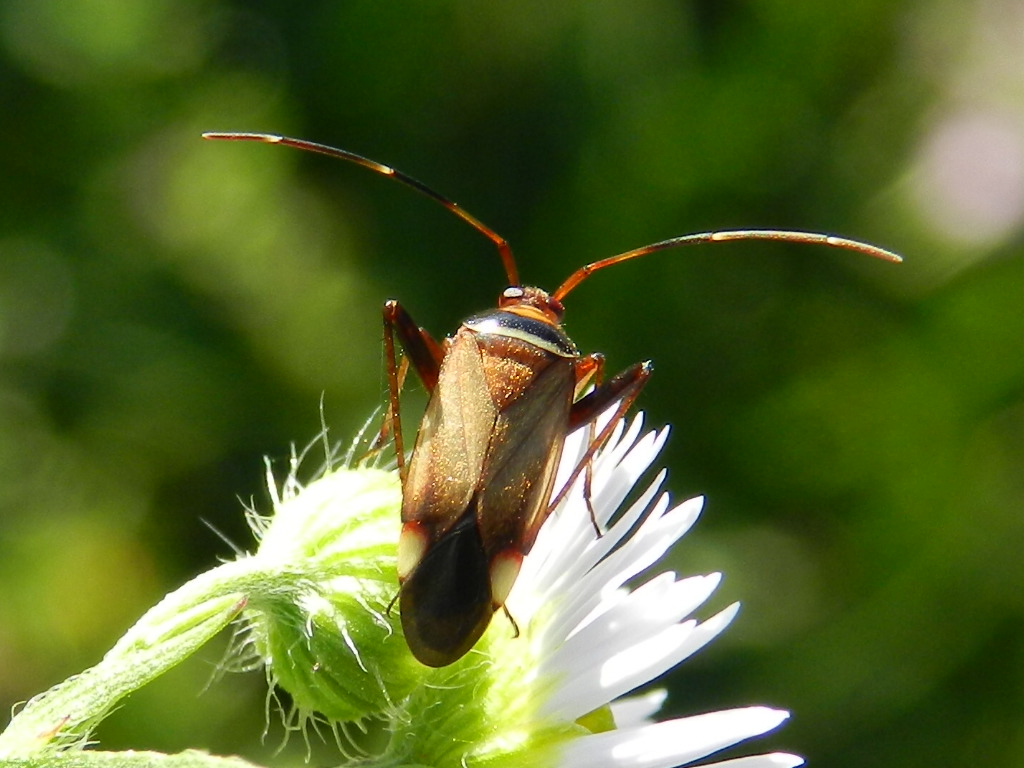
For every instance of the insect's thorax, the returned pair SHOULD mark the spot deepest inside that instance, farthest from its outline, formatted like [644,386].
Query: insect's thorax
[523,323]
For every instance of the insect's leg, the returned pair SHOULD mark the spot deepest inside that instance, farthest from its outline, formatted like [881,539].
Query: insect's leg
[624,387]
[421,351]
[515,624]
[384,434]
[590,372]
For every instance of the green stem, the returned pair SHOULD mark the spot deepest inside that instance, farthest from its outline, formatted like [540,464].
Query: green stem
[167,634]
[90,759]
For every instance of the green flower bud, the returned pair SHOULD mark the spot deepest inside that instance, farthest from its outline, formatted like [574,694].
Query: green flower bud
[324,629]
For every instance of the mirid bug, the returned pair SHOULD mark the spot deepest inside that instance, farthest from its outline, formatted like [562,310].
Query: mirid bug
[504,392]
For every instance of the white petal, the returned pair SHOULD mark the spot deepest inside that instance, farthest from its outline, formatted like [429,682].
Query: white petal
[566,525]
[581,589]
[672,743]
[618,445]
[644,548]
[622,618]
[773,760]
[616,471]
[613,624]
[571,547]
[656,604]
[622,664]
[637,710]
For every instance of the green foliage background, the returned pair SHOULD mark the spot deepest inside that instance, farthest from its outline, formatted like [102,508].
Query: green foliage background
[171,310]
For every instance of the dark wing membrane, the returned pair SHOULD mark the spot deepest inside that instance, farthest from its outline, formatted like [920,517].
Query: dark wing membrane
[522,458]
[446,601]
[447,464]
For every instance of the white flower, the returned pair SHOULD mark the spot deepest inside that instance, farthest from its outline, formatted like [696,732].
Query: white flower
[593,640]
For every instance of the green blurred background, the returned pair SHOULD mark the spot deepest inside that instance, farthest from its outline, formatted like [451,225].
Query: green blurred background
[171,310]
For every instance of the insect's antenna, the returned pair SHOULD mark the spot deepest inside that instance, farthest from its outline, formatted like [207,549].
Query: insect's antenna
[786,236]
[504,251]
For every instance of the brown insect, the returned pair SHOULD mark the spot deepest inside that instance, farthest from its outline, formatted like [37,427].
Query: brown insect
[504,392]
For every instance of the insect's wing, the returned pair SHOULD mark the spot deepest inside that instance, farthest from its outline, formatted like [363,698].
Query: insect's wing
[446,601]
[446,467]
[525,446]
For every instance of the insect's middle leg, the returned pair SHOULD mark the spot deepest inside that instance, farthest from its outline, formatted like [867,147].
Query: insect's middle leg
[589,373]
[624,387]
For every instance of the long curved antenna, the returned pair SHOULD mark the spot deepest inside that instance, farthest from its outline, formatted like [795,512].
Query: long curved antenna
[782,235]
[504,251]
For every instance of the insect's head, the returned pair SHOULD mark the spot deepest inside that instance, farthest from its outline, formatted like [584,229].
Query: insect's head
[524,298]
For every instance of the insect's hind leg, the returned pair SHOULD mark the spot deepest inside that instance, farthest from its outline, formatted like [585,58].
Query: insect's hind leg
[422,352]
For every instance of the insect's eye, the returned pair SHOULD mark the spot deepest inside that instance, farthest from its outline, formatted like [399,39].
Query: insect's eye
[511,295]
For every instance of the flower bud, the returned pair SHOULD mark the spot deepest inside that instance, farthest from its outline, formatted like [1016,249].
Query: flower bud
[324,629]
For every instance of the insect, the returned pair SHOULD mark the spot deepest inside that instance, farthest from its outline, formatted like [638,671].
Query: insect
[503,393]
